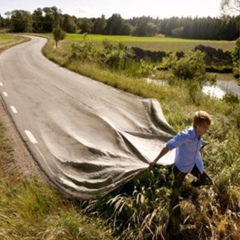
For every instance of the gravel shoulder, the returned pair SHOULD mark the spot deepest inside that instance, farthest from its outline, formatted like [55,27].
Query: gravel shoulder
[23,163]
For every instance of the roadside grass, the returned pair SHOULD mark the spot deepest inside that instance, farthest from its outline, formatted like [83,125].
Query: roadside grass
[9,40]
[208,213]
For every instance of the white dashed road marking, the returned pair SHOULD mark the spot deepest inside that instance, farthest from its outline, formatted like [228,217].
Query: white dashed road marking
[1,84]
[14,109]
[31,137]
[5,94]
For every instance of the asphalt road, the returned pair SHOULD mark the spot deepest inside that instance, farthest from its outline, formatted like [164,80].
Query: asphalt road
[87,137]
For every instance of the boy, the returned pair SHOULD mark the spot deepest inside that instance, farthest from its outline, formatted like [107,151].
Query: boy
[188,158]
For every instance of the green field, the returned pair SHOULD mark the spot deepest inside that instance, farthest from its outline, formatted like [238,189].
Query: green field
[7,40]
[156,43]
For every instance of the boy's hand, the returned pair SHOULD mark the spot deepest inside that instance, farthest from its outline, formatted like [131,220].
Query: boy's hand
[203,145]
[153,163]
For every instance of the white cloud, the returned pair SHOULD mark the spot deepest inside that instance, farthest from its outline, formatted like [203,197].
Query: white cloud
[87,11]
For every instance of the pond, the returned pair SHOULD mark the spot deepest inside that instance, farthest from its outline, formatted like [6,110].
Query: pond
[225,83]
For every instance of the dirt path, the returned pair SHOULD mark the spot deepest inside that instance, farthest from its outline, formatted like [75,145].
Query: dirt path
[23,162]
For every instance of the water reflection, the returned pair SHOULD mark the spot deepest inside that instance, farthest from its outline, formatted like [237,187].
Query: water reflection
[218,90]
[221,88]
[213,91]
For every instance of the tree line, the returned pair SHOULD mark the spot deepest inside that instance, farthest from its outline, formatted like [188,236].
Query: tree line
[44,20]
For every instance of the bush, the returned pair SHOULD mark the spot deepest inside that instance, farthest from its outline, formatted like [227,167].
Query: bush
[83,51]
[236,59]
[189,67]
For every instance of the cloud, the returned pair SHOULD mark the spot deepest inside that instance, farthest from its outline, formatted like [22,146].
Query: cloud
[87,11]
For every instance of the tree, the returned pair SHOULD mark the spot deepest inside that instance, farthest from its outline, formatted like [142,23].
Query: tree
[233,6]
[172,23]
[178,32]
[126,29]
[51,19]
[230,7]
[68,24]
[99,25]
[85,25]
[114,25]
[21,21]
[145,26]
[1,21]
[58,34]
[236,59]
[37,18]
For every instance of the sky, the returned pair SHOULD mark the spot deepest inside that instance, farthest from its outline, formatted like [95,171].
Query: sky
[126,8]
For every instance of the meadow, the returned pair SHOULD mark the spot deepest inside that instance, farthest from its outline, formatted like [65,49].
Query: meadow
[146,213]
[156,43]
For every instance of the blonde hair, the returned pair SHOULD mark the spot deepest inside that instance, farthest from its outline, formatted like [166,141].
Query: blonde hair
[201,117]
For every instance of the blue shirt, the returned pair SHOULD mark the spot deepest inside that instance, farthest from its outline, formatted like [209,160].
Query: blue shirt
[188,150]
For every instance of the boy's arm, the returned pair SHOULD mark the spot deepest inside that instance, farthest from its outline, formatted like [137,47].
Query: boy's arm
[164,151]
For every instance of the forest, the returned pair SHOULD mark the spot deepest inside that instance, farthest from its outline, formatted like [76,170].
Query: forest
[44,20]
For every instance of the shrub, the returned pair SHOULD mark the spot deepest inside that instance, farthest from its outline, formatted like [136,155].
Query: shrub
[115,55]
[236,59]
[83,51]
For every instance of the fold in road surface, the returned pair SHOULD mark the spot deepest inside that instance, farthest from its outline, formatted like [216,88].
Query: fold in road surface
[88,138]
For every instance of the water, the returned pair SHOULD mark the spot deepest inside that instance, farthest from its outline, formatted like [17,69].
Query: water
[213,91]
[221,88]
[225,84]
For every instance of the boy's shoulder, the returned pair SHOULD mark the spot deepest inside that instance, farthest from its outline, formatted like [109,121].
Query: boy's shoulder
[187,131]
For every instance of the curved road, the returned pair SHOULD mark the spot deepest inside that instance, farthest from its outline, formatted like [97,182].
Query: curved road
[88,138]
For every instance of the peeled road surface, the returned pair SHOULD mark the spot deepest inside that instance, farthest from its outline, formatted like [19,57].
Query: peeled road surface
[88,138]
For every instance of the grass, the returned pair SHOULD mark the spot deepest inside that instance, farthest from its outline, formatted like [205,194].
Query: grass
[7,40]
[209,213]
[156,43]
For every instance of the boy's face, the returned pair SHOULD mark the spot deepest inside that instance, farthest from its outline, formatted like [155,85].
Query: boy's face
[201,129]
